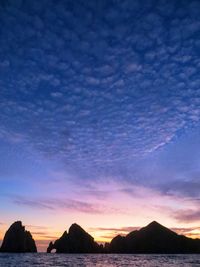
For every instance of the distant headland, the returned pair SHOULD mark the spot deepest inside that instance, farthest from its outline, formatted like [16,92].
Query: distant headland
[153,238]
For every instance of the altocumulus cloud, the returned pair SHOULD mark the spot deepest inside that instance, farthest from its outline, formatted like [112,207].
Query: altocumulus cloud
[101,89]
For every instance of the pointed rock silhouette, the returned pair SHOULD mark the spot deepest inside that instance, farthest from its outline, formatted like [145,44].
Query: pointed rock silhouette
[17,239]
[154,238]
[77,240]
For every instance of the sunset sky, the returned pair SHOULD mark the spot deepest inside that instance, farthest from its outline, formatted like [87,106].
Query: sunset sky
[99,116]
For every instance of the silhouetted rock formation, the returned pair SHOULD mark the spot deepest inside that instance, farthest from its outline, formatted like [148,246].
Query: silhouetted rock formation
[154,238]
[76,241]
[17,239]
[50,247]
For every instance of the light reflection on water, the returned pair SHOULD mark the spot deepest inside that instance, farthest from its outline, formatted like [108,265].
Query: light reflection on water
[100,260]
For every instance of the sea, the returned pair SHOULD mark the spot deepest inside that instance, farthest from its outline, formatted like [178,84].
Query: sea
[100,260]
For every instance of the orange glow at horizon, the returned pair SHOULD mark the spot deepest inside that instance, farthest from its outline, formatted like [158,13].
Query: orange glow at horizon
[42,244]
[100,236]
[119,213]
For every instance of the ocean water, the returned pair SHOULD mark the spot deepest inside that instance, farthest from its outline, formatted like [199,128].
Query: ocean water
[100,260]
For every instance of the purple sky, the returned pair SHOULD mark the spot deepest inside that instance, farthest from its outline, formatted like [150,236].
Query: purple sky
[100,109]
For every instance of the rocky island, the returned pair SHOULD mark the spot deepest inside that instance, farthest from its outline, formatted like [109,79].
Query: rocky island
[154,238]
[17,239]
[76,240]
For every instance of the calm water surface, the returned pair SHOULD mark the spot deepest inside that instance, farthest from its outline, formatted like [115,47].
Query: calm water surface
[100,260]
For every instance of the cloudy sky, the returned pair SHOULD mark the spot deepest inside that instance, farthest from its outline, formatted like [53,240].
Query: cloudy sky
[99,115]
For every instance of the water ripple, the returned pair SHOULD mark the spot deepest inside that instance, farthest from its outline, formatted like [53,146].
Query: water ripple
[99,260]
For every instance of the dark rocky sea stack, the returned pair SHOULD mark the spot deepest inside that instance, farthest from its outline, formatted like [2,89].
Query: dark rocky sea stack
[76,240]
[154,238]
[17,239]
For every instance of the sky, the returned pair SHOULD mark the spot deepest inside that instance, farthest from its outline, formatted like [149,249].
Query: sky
[99,116]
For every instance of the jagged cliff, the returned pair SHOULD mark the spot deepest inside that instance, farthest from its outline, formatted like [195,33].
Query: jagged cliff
[17,239]
[76,240]
[154,238]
